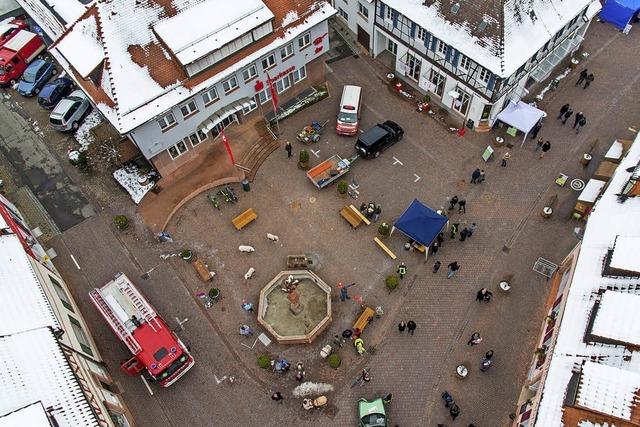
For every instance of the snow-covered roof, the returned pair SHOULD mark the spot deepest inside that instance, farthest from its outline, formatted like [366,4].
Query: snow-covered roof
[143,79]
[23,305]
[82,47]
[54,16]
[34,368]
[626,255]
[617,317]
[33,415]
[609,219]
[591,190]
[608,390]
[209,26]
[515,29]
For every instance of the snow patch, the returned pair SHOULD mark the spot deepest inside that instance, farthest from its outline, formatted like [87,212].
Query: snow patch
[83,135]
[130,179]
[289,18]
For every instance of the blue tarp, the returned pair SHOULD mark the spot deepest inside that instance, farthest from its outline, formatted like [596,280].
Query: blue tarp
[421,223]
[619,12]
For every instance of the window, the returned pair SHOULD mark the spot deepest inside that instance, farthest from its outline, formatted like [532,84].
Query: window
[81,336]
[189,108]
[283,84]
[442,48]
[196,138]
[461,104]
[210,96]
[97,369]
[300,74]
[438,81]
[421,33]
[177,150]
[264,96]
[167,122]
[249,108]
[343,14]
[484,75]
[465,63]
[268,62]
[229,85]
[249,73]
[304,41]
[61,294]
[392,46]
[363,11]
[286,51]
[118,418]
[389,14]
[413,67]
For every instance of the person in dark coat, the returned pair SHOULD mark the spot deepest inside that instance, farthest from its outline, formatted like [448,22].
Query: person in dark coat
[434,247]
[581,123]
[453,202]
[583,75]
[464,234]
[471,229]
[536,129]
[567,114]
[563,110]
[436,267]
[482,175]
[454,411]
[462,206]
[480,294]
[579,116]
[440,238]
[475,339]
[411,326]
[288,148]
[475,175]
[453,267]
[401,326]
[545,147]
[588,80]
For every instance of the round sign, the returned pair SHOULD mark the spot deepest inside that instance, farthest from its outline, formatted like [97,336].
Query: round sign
[577,184]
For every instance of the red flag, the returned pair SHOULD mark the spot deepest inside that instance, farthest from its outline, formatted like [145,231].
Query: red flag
[274,94]
[225,142]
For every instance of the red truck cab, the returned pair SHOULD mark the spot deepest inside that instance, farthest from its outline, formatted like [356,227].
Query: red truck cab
[16,54]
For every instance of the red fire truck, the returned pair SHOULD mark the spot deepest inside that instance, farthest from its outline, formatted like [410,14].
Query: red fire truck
[16,54]
[155,348]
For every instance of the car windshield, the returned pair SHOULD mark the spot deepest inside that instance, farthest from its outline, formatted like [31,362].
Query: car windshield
[374,420]
[29,75]
[347,117]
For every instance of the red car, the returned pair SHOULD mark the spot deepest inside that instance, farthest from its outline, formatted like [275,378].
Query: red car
[10,29]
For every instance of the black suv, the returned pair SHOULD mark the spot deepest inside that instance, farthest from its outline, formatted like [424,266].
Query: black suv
[377,139]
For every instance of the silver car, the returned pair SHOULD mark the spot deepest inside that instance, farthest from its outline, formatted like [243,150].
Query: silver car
[70,111]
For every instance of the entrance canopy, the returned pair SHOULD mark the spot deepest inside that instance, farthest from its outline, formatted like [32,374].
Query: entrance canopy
[521,116]
[421,223]
[619,12]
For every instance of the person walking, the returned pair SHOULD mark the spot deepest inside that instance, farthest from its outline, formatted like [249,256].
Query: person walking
[566,115]
[578,117]
[545,147]
[506,157]
[464,234]
[583,75]
[535,130]
[401,326]
[539,143]
[454,411]
[436,267]
[475,339]
[462,206]
[580,124]
[471,229]
[480,294]
[482,176]
[440,238]
[454,230]
[411,326]
[402,270]
[563,110]
[453,268]
[434,248]
[588,80]
[277,397]
[344,293]
[475,176]
[453,202]
[288,149]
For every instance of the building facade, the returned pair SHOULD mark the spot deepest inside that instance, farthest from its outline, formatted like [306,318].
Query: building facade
[358,17]
[45,339]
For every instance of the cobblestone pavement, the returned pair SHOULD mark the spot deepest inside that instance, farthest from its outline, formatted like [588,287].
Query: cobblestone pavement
[511,235]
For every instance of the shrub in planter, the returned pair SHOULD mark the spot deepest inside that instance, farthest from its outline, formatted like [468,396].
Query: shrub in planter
[334,361]
[214,293]
[343,187]
[384,229]
[121,221]
[264,361]
[186,254]
[303,160]
[392,282]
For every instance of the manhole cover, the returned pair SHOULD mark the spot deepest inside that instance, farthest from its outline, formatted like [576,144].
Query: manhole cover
[312,199]
[577,184]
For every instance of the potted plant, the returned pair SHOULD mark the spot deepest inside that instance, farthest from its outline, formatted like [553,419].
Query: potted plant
[264,361]
[214,294]
[334,361]
[303,161]
[343,187]
[186,254]
[392,282]
[121,221]
[384,230]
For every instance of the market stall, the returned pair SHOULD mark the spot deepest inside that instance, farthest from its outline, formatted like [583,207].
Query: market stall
[521,116]
[421,224]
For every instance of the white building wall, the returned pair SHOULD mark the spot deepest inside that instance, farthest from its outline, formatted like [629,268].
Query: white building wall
[355,18]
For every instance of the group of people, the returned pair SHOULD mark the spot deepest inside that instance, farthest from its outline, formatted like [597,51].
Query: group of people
[566,111]
[371,211]
[410,326]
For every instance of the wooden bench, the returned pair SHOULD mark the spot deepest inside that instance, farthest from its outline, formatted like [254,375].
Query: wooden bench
[385,248]
[364,319]
[351,217]
[364,218]
[244,218]
[203,271]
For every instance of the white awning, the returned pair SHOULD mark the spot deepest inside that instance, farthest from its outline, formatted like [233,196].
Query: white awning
[521,116]
[217,117]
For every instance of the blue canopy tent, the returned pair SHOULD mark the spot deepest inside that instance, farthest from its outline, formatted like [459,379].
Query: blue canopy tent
[619,12]
[420,223]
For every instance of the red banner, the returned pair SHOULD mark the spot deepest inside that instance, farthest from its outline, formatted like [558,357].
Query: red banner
[274,94]
[225,142]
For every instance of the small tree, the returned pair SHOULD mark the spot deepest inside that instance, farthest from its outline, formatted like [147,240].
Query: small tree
[121,221]
[343,187]
[264,361]
[334,361]
[304,156]
[186,254]
[392,282]
[384,229]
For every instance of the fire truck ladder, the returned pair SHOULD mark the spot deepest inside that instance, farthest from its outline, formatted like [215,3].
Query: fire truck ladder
[115,323]
[142,305]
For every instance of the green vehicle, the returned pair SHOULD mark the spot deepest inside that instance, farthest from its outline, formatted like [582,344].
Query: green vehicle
[372,414]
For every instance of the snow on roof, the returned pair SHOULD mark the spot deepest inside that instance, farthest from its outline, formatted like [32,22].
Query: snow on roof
[54,16]
[210,25]
[608,390]
[516,29]
[626,255]
[617,317]
[34,367]
[144,79]
[32,415]
[23,305]
[615,151]
[591,190]
[608,219]
[82,47]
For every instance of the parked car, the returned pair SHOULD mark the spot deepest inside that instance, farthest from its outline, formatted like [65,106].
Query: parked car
[378,138]
[54,92]
[10,29]
[70,111]
[35,76]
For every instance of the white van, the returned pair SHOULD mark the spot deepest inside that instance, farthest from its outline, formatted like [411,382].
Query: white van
[349,115]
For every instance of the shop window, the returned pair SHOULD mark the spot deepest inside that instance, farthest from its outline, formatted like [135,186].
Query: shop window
[300,74]
[438,81]
[461,105]
[283,84]
[177,150]
[264,96]
[252,106]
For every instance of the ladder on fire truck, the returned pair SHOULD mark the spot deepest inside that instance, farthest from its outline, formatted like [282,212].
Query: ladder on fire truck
[139,302]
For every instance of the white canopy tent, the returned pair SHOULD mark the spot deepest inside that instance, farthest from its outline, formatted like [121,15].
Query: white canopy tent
[521,116]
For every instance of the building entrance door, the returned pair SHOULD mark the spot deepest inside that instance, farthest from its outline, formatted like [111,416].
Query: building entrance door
[363,38]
